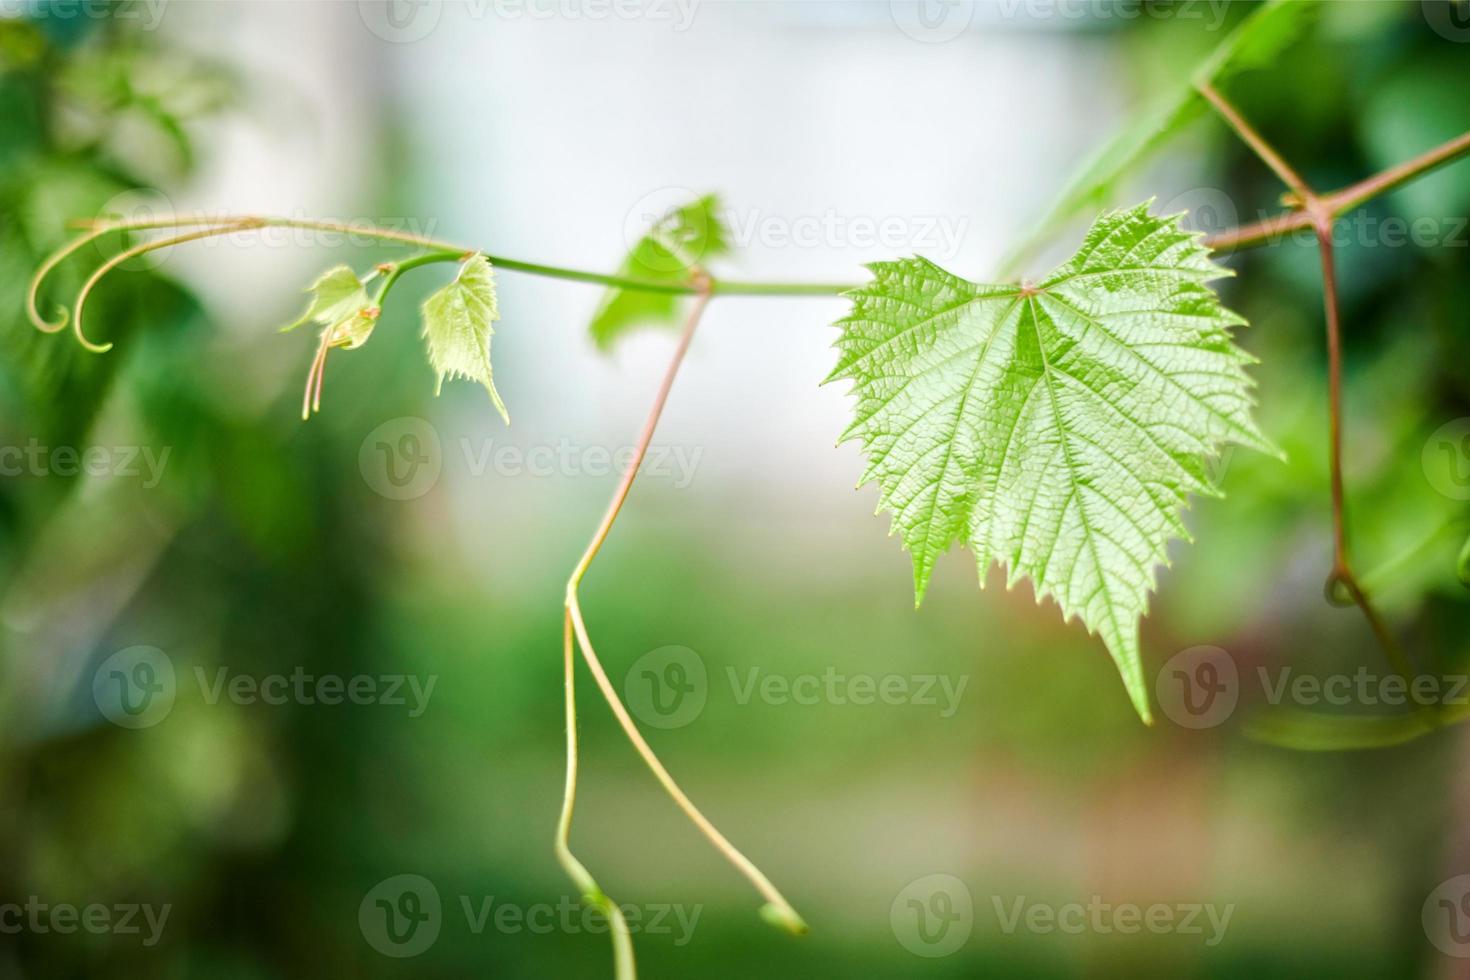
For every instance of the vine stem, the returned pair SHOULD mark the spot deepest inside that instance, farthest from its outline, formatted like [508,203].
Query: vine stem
[623,964]
[226,224]
[1246,236]
[1319,214]
[1253,139]
[1339,202]
[777,910]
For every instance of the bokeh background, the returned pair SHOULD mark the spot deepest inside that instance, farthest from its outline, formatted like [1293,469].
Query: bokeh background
[836,133]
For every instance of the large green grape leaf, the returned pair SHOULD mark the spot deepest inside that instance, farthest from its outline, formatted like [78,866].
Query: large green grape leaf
[1255,43]
[679,241]
[1055,427]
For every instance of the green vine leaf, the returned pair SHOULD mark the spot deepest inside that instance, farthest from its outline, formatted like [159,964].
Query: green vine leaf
[457,326]
[337,298]
[340,305]
[680,240]
[1057,427]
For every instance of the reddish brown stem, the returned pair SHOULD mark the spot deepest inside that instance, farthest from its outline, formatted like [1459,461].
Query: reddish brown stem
[777,909]
[1256,142]
[1318,213]
[1334,396]
[1341,201]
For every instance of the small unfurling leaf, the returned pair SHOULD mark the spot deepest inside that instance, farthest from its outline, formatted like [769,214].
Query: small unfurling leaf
[347,317]
[457,326]
[336,295]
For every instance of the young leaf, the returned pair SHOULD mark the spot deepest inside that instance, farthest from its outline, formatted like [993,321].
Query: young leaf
[1057,427]
[1254,44]
[336,295]
[680,240]
[457,327]
[347,317]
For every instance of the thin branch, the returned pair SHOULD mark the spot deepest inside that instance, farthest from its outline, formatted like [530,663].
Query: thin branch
[777,910]
[623,963]
[680,287]
[1319,215]
[1261,232]
[1334,397]
[1341,201]
[1400,174]
[1256,142]
[96,230]
[143,248]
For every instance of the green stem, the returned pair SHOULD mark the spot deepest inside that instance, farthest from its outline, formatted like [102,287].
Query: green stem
[442,250]
[677,287]
[396,269]
[623,963]
[777,910]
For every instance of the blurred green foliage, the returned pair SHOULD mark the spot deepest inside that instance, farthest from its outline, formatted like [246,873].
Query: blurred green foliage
[264,551]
